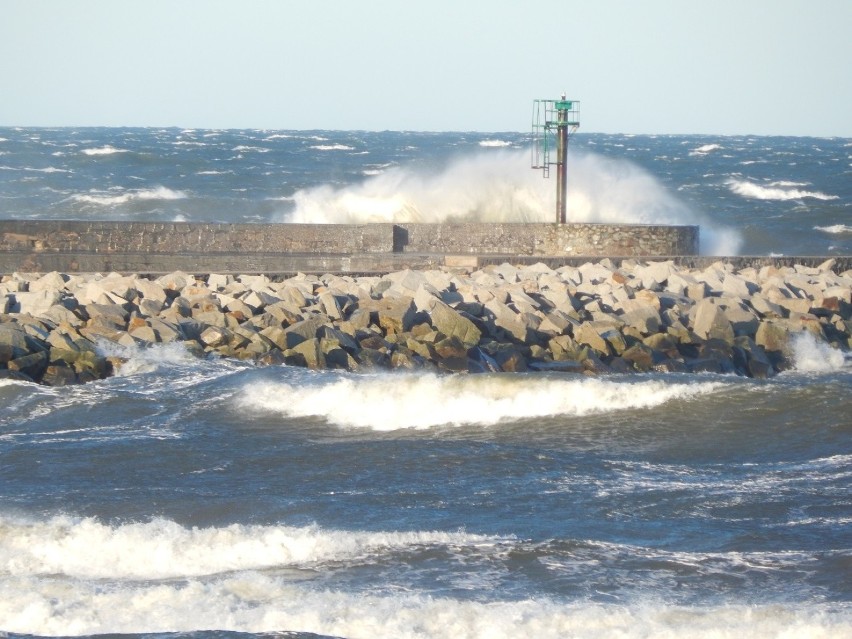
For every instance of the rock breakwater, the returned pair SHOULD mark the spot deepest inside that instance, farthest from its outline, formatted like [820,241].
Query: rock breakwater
[598,318]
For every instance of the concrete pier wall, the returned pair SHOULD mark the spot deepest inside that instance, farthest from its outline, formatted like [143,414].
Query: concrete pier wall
[154,247]
[592,240]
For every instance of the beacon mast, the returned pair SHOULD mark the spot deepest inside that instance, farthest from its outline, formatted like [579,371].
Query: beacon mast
[554,121]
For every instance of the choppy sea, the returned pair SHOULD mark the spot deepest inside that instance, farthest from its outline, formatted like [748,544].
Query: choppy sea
[210,498]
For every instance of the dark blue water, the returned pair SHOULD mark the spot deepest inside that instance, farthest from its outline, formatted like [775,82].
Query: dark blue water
[750,195]
[195,498]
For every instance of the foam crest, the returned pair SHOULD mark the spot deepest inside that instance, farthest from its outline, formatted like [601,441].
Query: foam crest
[333,147]
[835,229]
[499,186]
[705,149]
[263,603]
[157,193]
[103,150]
[815,356]
[163,549]
[420,401]
[775,191]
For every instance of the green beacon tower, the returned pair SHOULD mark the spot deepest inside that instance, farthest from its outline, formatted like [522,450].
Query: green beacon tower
[553,123]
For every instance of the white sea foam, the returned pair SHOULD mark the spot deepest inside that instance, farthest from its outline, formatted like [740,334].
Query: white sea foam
[815,356]
[103,150]
[259,602]
[495,143]
[257,149]
[705,149]
[419,401]
[163,549]
[499,186]
[835,229]
[104,199]
[775,191]
[333,147]
[29,169]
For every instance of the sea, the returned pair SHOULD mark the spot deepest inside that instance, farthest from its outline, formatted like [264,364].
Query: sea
[192,498]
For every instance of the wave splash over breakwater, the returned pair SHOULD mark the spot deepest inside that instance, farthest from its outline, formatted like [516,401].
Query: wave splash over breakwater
[500,187]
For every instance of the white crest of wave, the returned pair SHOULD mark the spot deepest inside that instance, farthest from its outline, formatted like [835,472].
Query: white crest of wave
[103,150]
[156,193]
[420,401]
[163,549]
[705,149]
[499,186]
[835,229]
[263,603]
[333,147]
[775,191]
[815,356]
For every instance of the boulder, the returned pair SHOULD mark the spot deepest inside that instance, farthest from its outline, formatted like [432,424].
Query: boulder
[15,338]
[304,330]
[53,281]
[451,323]
[774,335]
[710,321]
[591,334]
[59,375]
[645,319]
[32,364]
[395,315]
[35,303]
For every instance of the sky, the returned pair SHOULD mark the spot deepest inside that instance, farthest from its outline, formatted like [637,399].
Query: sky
[720,67]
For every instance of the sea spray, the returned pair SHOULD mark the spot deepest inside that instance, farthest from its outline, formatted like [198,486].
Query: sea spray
[815,356]
[499,186]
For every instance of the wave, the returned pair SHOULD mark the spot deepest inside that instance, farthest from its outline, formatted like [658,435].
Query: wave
[157,193]
[333,147]
[495,143]
[163,549]
[705,149]
[835,229]
[29,169]
[68,576]
[775,191]
[103,150]
[420,401]
[263,603]
[499,186]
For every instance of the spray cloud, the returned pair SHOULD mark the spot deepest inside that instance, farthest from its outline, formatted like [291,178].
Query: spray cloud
[499,186]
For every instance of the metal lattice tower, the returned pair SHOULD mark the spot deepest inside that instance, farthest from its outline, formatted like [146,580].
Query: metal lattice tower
[554,121]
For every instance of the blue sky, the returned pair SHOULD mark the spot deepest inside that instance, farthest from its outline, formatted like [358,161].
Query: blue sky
[773,67]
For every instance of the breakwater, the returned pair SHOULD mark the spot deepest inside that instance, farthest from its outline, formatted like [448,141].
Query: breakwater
[598,317]
[152,247]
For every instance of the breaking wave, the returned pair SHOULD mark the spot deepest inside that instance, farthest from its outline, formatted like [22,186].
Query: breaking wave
[103,150]
[163,549]
[421,401]
[835,229]
[776,191]
[102,199]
